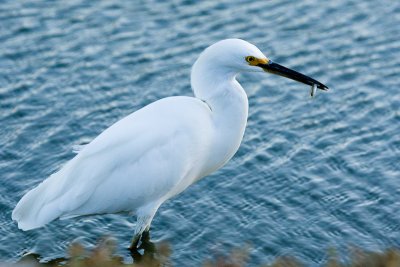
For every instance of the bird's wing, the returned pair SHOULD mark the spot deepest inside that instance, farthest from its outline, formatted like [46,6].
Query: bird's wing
[157,135]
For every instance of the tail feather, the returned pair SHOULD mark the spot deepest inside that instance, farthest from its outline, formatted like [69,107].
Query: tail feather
[60,195]
[40,205]
[27,211]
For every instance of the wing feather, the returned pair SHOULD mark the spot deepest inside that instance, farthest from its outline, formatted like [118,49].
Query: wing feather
[120,168]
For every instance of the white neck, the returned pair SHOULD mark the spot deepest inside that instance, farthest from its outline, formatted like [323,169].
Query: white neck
[218,87]
[212,83]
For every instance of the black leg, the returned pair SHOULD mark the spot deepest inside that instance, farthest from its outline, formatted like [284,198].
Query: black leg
[134,243]
[145,236]
[142,243]
[146,244]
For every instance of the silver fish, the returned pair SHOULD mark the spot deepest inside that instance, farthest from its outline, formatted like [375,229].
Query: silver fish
[313,90]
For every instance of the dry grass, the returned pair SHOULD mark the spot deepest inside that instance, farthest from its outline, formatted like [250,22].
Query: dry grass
[103,256]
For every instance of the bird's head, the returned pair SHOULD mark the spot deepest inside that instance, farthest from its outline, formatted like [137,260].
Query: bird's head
[236,55]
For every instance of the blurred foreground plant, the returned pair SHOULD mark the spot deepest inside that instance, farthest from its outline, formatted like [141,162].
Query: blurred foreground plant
[103,255]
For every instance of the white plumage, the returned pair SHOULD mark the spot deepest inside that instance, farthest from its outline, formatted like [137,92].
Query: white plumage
[120,170]
[156,152]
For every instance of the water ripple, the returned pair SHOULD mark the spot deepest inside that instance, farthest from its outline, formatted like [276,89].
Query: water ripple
[311,173]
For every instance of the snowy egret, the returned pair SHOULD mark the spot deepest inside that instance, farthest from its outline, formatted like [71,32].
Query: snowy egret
[158,151]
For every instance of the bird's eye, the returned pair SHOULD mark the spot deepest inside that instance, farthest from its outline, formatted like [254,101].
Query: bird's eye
[250,59]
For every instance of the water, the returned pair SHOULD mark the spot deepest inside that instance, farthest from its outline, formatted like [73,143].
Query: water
[311,174]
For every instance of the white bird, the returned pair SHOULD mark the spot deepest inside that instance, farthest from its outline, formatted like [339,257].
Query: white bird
[158,151]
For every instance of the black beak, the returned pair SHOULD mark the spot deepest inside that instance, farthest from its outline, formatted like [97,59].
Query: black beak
[291,74]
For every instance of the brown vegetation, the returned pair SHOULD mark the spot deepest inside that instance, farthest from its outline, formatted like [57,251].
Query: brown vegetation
[103,256]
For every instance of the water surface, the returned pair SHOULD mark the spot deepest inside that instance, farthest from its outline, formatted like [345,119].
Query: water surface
[311,174]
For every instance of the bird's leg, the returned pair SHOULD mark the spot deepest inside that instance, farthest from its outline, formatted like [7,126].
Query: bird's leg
[135,243]
[145,235]
[144,215]
[148,247]
[142,227]
[141,239]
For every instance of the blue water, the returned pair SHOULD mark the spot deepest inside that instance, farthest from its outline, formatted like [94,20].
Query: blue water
[311,174]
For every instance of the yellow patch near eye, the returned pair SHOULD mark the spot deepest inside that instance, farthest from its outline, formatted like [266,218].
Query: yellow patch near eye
[253,61]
